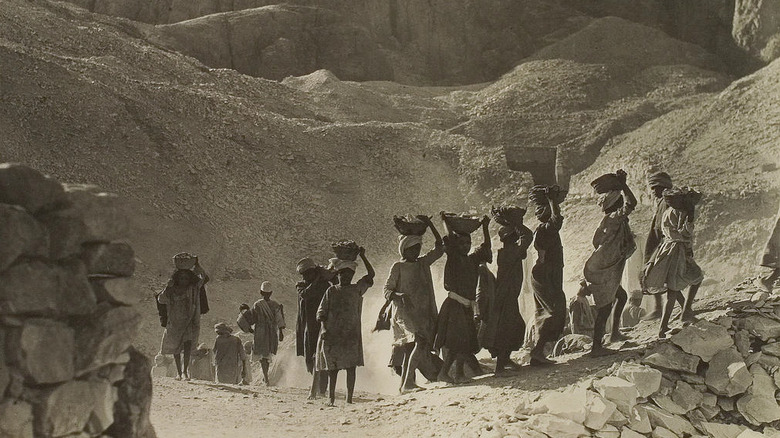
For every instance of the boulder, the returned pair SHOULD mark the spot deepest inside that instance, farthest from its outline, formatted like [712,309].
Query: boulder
[718,430]
[771,432]
[29,189]
[608,431]
[756,28]
[667,404]
[104,336]
[44,350]
[759,406]
[104,214]
[570,403]
[37,288]
[66,230]
[114,259]
[21,235]
[751,434]
[619,391]
[628,433]
[686,396]
[661,432]
[131,412]
[703,339]
[599,411]
[670,357]
[726,404]
[639,421]
[618,419]
[728,374]
[772,349]
[117,291]
[16,419]
[556,426]
[659,418]
[646,379]
[75,406]
[761,326]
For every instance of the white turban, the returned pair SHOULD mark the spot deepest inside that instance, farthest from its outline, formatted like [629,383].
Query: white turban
[405,242]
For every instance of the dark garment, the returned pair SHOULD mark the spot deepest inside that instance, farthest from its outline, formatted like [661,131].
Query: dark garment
[771,257]
[656,234]
[486,294]
[455,327]
[307,329]
[229,359]
[547,280]
[340,345]
[504,326]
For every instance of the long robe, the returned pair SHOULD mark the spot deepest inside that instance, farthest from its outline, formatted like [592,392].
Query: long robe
[340,344]
[672,265]
[268,318]
[613,244]
[183,307]
[771,256]
[307,328]
[547,280]
[656,235]
[229,357]
[504,326]
[417,318]
[486,294]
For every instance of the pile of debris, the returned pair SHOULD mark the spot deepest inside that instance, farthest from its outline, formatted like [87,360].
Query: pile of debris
[714,379]
[67,366]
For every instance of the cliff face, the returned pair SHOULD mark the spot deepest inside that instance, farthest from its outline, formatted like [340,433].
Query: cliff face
[757,28]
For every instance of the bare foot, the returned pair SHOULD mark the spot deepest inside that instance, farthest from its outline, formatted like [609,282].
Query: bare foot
[652,315]
[312,397]
[601,351]
[541,361]
[331,404]
[349,401]
[444,377]
[662,333]
[463,379]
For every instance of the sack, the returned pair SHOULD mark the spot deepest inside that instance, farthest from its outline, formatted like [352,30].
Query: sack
[384,317]
[162,310]
[409,226]
[204,301]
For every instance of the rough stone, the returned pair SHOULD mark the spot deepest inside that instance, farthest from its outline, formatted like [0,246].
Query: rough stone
[742,341]
[66,230]
[768,361]
[727,404]
[772,349]
[120,290]
[659,418]
[115,259]
[36,288]
[599,410]
[74,406]
[608,431]
[43,350]
[687,396]
[703,339]
[728,374]
[667,404]
[21,235]
[761,326]
[646,379]
[104,336]
[751,434]
[670,357]
[618,419]
[718,430]
[756,28]
[16,419]
[131,412]
[619,391]
[759,406]
[628,433]
[661,432]
[104,213]
[29,189]
[771,432]
[696,417]
[558,427]
[639,421]
[570,403]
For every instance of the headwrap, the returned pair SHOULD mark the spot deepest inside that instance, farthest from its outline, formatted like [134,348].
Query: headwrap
[304,265]
[540,209]
[659,179]
[266,287]
[504,232]
[405,242]
[338,264]
[222,329]
[607,200]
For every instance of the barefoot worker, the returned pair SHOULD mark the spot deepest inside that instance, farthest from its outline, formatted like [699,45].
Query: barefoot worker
[230,361]
[340,345]
[771,258]
[581,315]
[182,301]
[613,244]
[657,182]
[315,281]
[672,267]
[410,289]
[547,273]
[456,331]
[266,319]
[505,328]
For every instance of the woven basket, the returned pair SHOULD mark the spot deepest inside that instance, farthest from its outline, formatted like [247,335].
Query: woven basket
[185,260]
[508,216]
[606,183]
[462,224]
[409,226]
[346,250]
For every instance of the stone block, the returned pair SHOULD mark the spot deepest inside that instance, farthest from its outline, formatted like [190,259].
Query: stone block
[21,235]
[728,374]
[570,403]
[718,430]
[114,259]
[646,379]
[661,432]
[772,349]
[666,403]
[599,410]
[759,406]
[556,426]
[104,336]
[66,230]
[670,357]
[659,418]
[608,431]
[686,396]
[619,391]
[618,419]
[16,419]
[703,339]
[628,433]
[29,189]
[727,404]
[639,421]
[75,406]
[761,326]
[118,291]
[37,288]
[105,215]
[44,350]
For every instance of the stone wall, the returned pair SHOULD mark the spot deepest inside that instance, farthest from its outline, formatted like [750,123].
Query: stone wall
[67,323]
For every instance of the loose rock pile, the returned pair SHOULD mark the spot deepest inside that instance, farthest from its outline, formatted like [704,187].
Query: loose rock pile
[715,379]
[67,366]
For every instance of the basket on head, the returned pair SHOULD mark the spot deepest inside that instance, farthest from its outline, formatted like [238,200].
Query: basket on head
[185,260]
[409,225]
[607,183]
[346,250]
[508,216]
[683,198]
[462,224]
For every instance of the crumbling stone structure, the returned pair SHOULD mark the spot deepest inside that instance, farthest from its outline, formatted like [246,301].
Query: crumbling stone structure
[67,365]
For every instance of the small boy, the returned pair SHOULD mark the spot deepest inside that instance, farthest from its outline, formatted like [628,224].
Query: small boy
[581,313]
[634,311]
[230,360]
